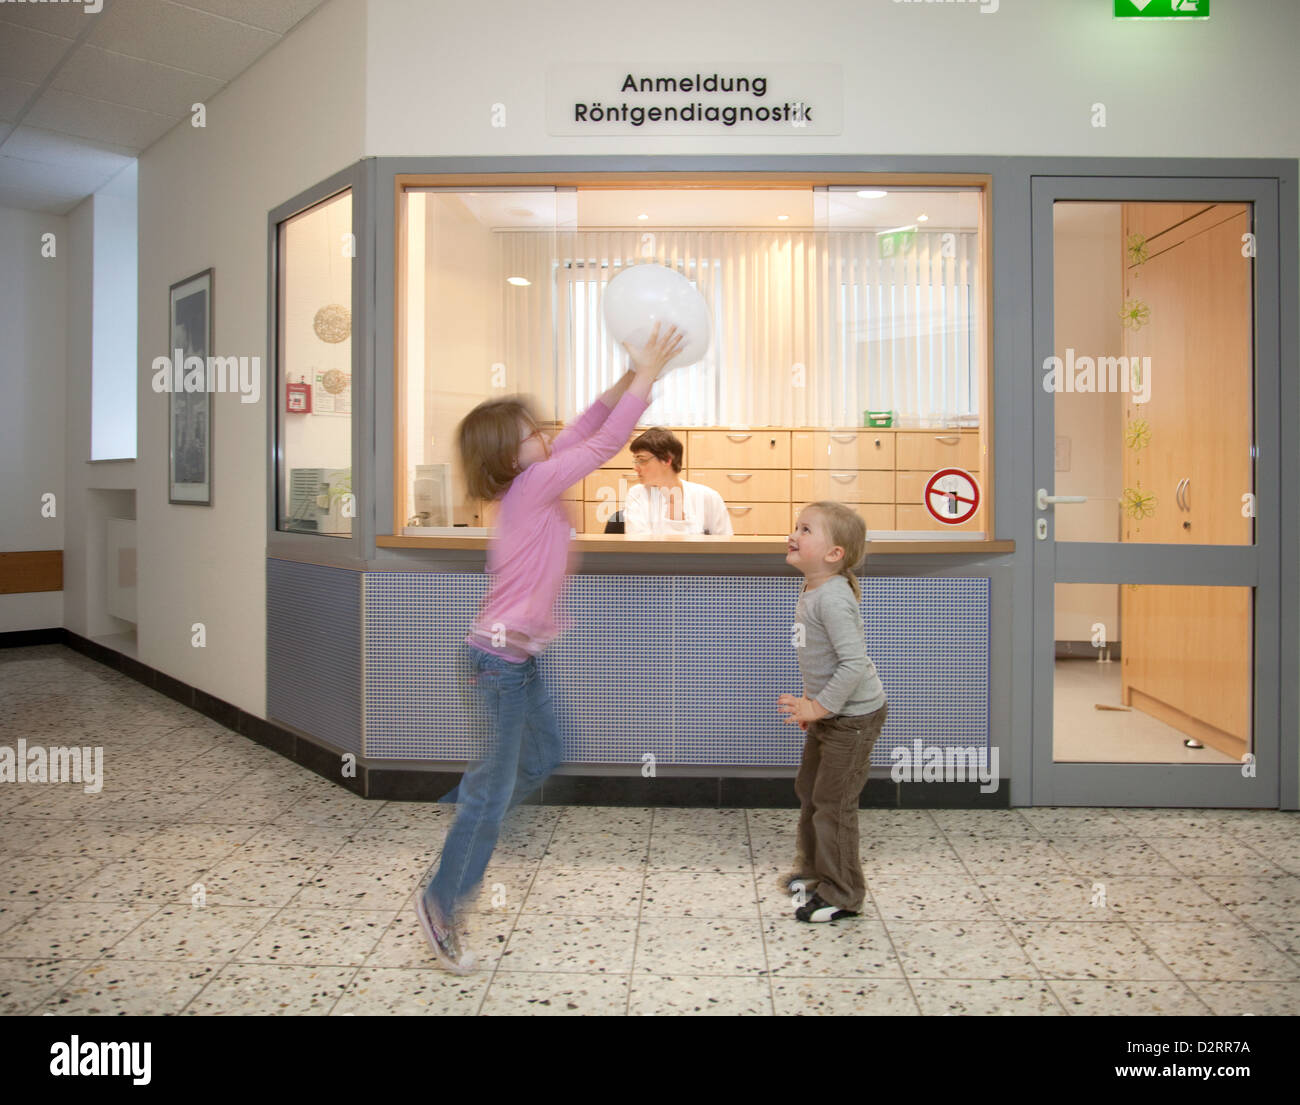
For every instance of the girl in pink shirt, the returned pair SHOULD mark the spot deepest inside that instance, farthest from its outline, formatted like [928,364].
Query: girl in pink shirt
[505,456]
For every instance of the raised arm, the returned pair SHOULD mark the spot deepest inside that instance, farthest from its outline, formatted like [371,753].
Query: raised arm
[549,478]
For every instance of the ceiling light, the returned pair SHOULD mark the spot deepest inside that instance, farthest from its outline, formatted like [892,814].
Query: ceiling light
[518,281]
[872,195]
[643,216]
[922,218]
[782,218]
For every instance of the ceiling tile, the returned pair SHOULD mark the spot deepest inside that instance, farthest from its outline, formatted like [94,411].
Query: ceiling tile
[13,94]
[171,34]
[68,186]
[36,145]
[276,16]
[64,20]
[117,79]
[113,124]
[27,55]
[37,200]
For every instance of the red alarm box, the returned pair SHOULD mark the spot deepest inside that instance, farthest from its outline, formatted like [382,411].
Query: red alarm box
[299,398]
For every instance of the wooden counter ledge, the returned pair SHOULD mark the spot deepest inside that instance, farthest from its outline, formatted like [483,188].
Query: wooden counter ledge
[734,546]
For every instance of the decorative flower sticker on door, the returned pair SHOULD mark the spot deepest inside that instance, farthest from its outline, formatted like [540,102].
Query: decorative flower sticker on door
[1135,314]
[1136,247]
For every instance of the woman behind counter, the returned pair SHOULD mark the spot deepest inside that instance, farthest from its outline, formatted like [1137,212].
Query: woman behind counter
[661,501]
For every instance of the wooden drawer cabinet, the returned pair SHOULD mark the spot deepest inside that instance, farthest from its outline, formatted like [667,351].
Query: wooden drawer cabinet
[737,485]
[878,516]
[842,449]
[608,483]
[759,518]
[930,450]
[738,450]
[908,517]
[849,486]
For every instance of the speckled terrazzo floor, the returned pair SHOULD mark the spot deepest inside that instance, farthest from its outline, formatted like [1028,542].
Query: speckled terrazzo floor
[307,894]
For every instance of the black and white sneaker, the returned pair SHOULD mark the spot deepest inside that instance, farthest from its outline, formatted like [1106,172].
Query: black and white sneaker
[817,910]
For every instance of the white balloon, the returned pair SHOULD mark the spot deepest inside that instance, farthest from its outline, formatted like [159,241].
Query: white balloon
[641,295]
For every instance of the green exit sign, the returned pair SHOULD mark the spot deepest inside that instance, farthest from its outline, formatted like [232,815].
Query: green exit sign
[1162,9]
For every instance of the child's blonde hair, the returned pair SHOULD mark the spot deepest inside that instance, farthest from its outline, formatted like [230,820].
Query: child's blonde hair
[488,441]
[845,528]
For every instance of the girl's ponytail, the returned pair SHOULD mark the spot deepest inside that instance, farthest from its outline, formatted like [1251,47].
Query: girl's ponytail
[852,576]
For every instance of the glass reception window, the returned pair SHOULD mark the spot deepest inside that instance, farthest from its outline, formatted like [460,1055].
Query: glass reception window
[847,358]
[477,302]
[314,367]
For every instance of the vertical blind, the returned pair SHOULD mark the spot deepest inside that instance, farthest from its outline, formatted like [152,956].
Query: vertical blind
[810,328]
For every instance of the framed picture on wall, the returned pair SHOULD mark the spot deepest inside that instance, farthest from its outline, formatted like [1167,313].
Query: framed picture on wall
[189,413]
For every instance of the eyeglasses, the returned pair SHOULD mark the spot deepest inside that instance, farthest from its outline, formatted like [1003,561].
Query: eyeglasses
[640,459]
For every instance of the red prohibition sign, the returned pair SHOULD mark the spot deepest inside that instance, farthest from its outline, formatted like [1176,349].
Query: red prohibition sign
[965,505]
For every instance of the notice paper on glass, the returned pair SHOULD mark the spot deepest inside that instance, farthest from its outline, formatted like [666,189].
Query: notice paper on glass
[331,392]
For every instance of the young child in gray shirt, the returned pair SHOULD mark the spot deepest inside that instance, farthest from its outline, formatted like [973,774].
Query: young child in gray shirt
[842,710]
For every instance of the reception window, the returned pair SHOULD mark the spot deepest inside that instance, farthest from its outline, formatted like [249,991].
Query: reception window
[848,356]
[314,386]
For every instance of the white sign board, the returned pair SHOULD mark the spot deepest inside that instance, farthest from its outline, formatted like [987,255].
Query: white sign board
[694,98]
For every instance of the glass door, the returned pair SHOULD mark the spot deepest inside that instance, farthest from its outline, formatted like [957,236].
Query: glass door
[1155,458]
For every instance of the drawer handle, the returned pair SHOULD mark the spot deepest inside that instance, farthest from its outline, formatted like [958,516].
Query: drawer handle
[948,439]
[844,477]
[739,437]
[739,477]
[845,438]
[740,509]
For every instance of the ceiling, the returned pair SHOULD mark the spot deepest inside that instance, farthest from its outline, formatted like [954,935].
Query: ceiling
[725,207]
[82,95]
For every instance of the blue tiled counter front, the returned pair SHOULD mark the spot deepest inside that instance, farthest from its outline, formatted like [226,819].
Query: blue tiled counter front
[686,667]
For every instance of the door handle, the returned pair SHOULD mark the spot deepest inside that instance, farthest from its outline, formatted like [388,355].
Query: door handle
[739,477]
[845,439]
[1178,493]
[1044,498]
[739,437]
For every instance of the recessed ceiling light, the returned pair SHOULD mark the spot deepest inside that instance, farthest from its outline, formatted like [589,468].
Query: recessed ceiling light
[518,281]
[922,218]
[643,216]
[872,195]
[782,218]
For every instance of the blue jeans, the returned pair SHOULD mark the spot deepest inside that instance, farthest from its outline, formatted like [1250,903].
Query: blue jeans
[524,747]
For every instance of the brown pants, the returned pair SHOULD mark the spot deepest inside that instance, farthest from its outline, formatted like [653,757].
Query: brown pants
[836,760]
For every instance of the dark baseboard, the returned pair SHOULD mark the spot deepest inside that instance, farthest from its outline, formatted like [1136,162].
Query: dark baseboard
[385,783]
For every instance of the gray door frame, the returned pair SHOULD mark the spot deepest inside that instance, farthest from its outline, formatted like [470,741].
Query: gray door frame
[1257,566]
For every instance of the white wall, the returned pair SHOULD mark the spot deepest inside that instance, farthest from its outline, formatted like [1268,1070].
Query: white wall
[924,78]
[33,296]
[294,118]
